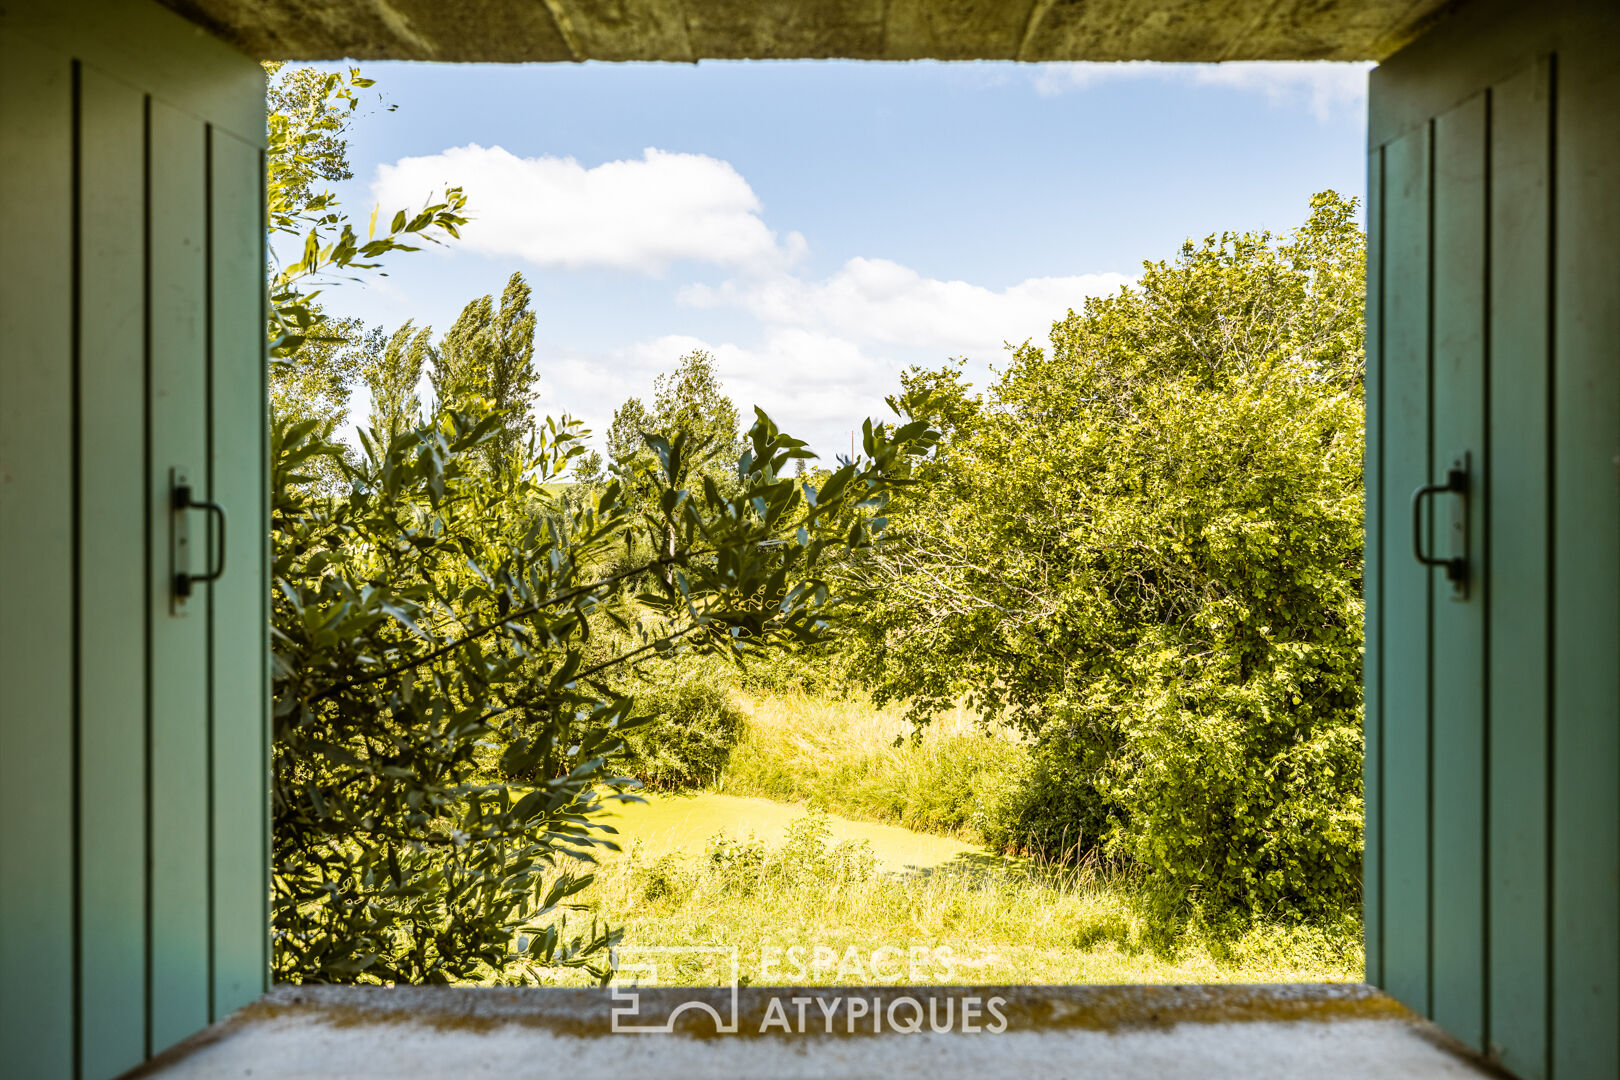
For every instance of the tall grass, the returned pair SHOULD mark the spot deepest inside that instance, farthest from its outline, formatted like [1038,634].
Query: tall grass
[991,924]
[856,761]
[998,920]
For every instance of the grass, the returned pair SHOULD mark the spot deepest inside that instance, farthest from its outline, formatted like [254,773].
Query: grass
[683,824]
[867,898]
[811,912]
[846,757]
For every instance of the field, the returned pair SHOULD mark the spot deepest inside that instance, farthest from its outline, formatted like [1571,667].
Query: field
[812,897]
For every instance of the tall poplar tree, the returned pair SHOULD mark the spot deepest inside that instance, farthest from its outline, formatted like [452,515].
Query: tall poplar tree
[392,373]
[489,354]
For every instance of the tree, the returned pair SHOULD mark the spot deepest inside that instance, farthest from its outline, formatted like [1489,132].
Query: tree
[489,354]
[690,403]
[625,434]
[304,144]
[391,373]
[318,386]
[692,400]
[1144,545]
[316,109]
[436,610]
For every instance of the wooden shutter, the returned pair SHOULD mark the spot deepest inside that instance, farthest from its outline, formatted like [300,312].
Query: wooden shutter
[133,812]
[1493,721]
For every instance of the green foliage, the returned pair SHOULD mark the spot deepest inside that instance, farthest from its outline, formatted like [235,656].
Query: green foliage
[689,399]
[318,386]
[391,374]
[489,354]
[1144,546]
[316,108]
[436,609]
[667,878]
[309,114]
[692,723]
[806,859]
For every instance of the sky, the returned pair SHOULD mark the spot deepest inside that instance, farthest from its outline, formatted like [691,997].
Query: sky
[820,226]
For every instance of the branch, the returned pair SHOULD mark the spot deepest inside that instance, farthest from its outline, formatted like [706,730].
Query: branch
[489,628]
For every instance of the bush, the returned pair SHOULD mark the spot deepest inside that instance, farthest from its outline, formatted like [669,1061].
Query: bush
[1142,545]
[692,725]
[438,613]
[817,671]
[667,878]
[1045,807]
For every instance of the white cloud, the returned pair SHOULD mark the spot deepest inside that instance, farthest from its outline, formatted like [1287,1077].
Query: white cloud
[639,215]
[1326,88]
[828,352]
[821,354]
[877,301]
[816,386]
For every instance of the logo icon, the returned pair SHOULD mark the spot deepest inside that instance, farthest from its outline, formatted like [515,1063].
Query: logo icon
[627,1016]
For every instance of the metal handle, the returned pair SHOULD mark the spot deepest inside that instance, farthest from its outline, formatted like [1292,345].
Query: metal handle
[181,501]
[1456,567]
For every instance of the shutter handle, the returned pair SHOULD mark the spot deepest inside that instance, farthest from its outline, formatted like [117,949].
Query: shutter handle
[182,500]
[1456,566]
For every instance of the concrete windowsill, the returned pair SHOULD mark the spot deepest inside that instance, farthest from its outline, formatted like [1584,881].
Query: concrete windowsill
[1243,1032]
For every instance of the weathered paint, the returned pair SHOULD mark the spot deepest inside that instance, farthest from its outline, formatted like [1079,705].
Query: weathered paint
[133,874]
[1493,854]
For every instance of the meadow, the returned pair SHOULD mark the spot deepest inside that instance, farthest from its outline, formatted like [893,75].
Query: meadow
[836,850]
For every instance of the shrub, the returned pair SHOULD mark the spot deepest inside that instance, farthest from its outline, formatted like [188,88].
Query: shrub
[692,724]
[438,609]
[667,878]
[1142,545]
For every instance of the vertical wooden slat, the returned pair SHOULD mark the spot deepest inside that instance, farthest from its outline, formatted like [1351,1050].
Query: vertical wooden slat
[105,872]
[1458,650]
[112,622]
[1404,464]
[237,613]
[177,405]
[1586,555]
[36,560]
[1372,590]
[1516,526]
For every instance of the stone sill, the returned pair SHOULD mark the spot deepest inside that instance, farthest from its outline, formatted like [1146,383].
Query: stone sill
[1243,1032]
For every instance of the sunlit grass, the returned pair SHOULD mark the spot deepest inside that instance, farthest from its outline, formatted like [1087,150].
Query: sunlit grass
[806,913]
[828,925]
[849,758]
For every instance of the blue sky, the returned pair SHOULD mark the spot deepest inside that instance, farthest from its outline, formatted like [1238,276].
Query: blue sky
[819,226]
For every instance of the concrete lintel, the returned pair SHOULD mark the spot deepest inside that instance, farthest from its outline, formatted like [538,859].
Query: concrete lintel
[689,30]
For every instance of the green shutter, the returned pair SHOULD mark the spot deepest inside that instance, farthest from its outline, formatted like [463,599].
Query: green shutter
[133,866]
[112,723]
[1493,846]
[1518,525]
[37,532]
